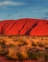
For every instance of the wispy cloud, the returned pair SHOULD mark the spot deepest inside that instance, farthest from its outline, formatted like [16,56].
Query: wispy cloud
[11,3]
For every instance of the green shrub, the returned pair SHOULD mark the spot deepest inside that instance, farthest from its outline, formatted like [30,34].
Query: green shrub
[20,57]
[31,55]
[46,57]
[39,55]
[3,52]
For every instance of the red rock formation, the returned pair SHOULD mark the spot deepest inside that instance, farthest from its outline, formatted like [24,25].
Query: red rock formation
[35,27]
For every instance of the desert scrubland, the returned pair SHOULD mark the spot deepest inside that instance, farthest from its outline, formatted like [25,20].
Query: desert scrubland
[16,47]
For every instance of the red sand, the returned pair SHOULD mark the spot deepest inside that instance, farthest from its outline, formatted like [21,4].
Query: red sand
[35,27]
[3,59]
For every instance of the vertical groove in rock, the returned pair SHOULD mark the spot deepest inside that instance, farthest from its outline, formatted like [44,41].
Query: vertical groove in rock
[33,26]
[11,27]
[22,27]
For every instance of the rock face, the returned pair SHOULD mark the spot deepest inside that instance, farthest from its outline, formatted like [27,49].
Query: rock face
[35,27]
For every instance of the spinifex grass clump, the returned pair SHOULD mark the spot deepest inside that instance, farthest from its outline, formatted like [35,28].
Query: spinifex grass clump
[40,44]
[2,47]
[33,44]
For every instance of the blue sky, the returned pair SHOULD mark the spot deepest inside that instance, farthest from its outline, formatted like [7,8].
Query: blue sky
[16,9]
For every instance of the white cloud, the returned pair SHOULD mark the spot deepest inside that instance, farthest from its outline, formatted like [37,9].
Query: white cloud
[11,3]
